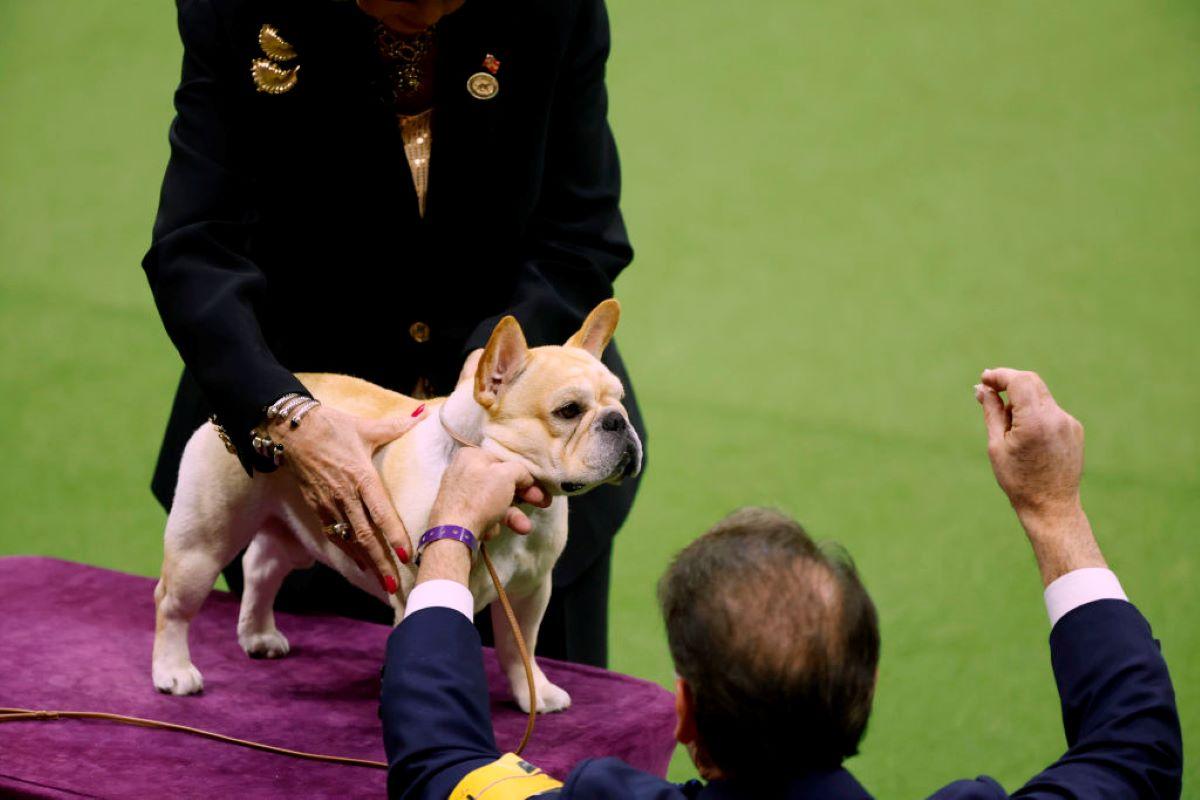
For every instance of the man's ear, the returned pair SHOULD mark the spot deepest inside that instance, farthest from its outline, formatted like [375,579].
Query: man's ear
[501,362]
[598,328]
[685,713]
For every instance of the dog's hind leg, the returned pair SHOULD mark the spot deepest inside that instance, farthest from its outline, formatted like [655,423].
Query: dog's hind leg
[192,559]
[210,521]
[273,553]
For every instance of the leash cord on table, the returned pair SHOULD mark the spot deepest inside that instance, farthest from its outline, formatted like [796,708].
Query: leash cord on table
[20,714]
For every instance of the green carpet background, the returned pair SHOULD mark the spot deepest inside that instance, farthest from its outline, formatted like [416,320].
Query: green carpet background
[842,212]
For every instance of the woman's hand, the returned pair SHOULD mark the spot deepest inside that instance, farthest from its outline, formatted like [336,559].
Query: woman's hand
[330,455]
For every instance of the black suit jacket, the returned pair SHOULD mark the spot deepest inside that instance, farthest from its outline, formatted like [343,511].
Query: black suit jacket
[288,238]
[1118,705]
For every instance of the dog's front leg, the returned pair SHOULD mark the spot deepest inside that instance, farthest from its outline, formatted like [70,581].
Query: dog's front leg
[529,611]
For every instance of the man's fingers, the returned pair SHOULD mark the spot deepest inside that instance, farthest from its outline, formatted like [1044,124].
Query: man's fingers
[1023,387]
[995,418]
[384,515]
[535,495]
[517,521]
[522,480]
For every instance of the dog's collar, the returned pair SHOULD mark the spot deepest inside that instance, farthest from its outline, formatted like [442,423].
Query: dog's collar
[451,432]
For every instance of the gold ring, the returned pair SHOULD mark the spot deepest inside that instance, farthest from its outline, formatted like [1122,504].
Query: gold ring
[341,530]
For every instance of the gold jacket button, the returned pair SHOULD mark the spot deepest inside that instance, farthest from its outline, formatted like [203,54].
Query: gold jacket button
[419,331]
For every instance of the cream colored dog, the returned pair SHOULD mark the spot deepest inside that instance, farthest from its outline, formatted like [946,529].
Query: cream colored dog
[555,410]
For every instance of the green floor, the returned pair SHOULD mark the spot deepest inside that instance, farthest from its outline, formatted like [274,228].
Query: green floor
[842,212]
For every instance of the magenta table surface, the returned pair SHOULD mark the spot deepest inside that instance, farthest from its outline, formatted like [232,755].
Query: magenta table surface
[74,637]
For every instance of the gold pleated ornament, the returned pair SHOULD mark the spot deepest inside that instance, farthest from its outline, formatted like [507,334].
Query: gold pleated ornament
[270,76]
[273,45]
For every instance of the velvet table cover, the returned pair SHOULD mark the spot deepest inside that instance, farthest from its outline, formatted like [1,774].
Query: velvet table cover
[74,637]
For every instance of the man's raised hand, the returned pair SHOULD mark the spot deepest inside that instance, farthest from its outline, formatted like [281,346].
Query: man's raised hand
[1036,450]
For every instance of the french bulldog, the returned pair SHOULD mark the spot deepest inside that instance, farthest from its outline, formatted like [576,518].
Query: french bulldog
[556,410]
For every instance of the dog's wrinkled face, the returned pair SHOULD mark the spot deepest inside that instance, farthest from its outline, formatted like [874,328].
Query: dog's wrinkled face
[558,409]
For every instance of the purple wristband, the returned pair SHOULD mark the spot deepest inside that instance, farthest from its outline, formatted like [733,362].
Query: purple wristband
[455,532]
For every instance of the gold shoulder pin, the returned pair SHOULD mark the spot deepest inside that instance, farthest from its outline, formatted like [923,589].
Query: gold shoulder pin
[273,45]
[270,76]
[483,85]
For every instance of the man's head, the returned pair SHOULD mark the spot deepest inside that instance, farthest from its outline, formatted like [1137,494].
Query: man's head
[776,644]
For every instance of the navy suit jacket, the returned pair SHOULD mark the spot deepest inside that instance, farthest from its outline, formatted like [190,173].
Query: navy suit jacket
[1118,707]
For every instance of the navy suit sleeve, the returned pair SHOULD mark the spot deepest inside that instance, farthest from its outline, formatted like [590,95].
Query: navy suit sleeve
[437,726]
[1118,708]
[613,779]
[205,286]
[576,243]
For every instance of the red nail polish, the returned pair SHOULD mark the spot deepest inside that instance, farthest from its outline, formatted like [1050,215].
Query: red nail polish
[420,408]
[389,583]
[402,554]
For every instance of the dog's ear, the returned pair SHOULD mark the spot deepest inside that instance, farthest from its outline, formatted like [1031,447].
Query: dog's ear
[501,362]
[598,328]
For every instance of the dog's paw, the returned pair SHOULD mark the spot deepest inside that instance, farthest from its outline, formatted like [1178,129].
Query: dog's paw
[550,697]
[178,680]
[553,699]
[268,644]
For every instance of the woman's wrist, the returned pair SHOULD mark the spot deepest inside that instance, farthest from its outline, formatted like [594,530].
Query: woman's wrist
[288,412]
[279,419]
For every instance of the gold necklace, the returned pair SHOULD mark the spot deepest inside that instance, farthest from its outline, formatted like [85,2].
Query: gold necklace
[403,56]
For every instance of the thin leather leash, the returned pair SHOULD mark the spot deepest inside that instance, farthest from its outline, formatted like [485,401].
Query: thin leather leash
[25,714]
[18,714]
[508,611]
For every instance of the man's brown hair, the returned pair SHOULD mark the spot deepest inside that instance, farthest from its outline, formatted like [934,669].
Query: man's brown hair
[779,642]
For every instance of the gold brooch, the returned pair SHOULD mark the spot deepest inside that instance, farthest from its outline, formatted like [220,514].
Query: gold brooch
[269,75]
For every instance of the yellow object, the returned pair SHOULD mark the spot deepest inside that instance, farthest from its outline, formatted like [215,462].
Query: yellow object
[507,778]
[270,78]
[273,45]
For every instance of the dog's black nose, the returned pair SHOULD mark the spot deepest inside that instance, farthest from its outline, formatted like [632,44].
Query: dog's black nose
[613,421]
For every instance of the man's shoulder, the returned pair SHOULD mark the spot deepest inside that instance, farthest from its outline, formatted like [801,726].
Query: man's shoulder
[981,788]
[613,779]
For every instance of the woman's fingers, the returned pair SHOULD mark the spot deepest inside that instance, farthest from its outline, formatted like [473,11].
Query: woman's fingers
[330,515]
[368,544]
[378,432]
[384,515]
[350,548]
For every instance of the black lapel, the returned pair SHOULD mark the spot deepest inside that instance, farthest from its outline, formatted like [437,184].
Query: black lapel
[464,126]
[341,75]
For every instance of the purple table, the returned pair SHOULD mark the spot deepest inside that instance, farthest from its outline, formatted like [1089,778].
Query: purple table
[74,637]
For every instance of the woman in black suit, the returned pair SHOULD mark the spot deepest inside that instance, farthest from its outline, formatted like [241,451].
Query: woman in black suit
[366,189]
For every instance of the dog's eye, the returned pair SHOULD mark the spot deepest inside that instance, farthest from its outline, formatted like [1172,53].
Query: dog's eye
[569,411]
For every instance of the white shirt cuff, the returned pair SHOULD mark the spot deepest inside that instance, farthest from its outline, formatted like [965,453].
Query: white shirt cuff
[441,593]
[1078,587]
